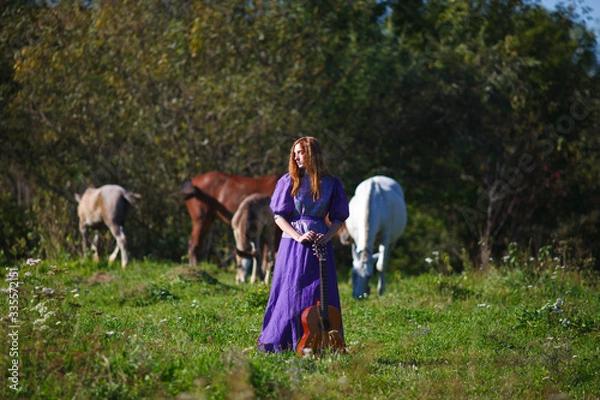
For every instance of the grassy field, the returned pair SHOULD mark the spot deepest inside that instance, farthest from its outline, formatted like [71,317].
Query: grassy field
[527,329]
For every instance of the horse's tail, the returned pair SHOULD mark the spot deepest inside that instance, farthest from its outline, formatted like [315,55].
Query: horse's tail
[132,198]
[187,190]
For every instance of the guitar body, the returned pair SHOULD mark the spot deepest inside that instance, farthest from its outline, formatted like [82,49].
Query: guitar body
[321,323]
[318,338]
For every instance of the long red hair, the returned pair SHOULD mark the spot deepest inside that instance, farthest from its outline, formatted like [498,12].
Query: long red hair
[314,165]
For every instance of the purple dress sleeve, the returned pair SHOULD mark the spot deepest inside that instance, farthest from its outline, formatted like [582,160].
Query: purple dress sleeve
[338,210]
[282,203]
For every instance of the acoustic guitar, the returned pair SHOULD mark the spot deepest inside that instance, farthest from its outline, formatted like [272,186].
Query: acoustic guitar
[321,322]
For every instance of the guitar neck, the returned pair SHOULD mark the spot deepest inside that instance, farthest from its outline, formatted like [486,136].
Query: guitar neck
[324,300]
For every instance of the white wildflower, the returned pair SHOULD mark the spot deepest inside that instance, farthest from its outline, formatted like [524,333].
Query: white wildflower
[428,260]
[41,308]
[44,316]
[556,307]
[559,302]
[565,322]
[32,261]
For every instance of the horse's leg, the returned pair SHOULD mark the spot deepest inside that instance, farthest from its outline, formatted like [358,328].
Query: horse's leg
[197,214]
[199,231]
[261,260]
[361,272]
[384,254]
[83,230]
[193,243]
[123,242]
[255,260]
[94,246]
[367,258]
[113,255]
[118,231]
[269,266]
[273,237]
[264,268]
[383,249]
[246,267]
[239,277]
[254,268]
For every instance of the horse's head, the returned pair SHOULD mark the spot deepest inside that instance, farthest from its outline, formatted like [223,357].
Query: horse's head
[245,262]
[362,269]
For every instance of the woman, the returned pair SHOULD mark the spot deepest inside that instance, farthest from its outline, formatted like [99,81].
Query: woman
[301,201]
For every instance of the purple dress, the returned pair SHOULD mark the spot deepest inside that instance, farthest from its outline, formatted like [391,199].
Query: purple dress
[296,275]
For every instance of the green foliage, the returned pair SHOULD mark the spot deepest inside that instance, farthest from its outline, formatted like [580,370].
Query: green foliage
[425,232]
[14,236]
[483,111]
[486,96]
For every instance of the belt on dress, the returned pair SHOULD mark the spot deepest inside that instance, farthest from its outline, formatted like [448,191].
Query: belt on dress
[306,218]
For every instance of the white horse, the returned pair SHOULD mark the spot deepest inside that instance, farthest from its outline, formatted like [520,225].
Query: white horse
[108,204]
[377,212]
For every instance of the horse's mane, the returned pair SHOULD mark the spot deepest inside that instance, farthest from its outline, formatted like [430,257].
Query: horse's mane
[239,223]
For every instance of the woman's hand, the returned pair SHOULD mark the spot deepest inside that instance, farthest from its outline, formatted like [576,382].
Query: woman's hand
[321,239]
[287,228]
[307,237]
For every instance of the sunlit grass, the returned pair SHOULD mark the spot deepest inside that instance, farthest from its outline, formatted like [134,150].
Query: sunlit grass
[526,329]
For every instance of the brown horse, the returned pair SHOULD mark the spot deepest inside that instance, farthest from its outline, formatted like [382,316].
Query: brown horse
[218,194]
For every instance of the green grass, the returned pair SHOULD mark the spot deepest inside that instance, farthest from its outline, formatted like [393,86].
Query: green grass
[159,330]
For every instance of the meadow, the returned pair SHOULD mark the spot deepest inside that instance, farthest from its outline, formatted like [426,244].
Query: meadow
[528,328]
